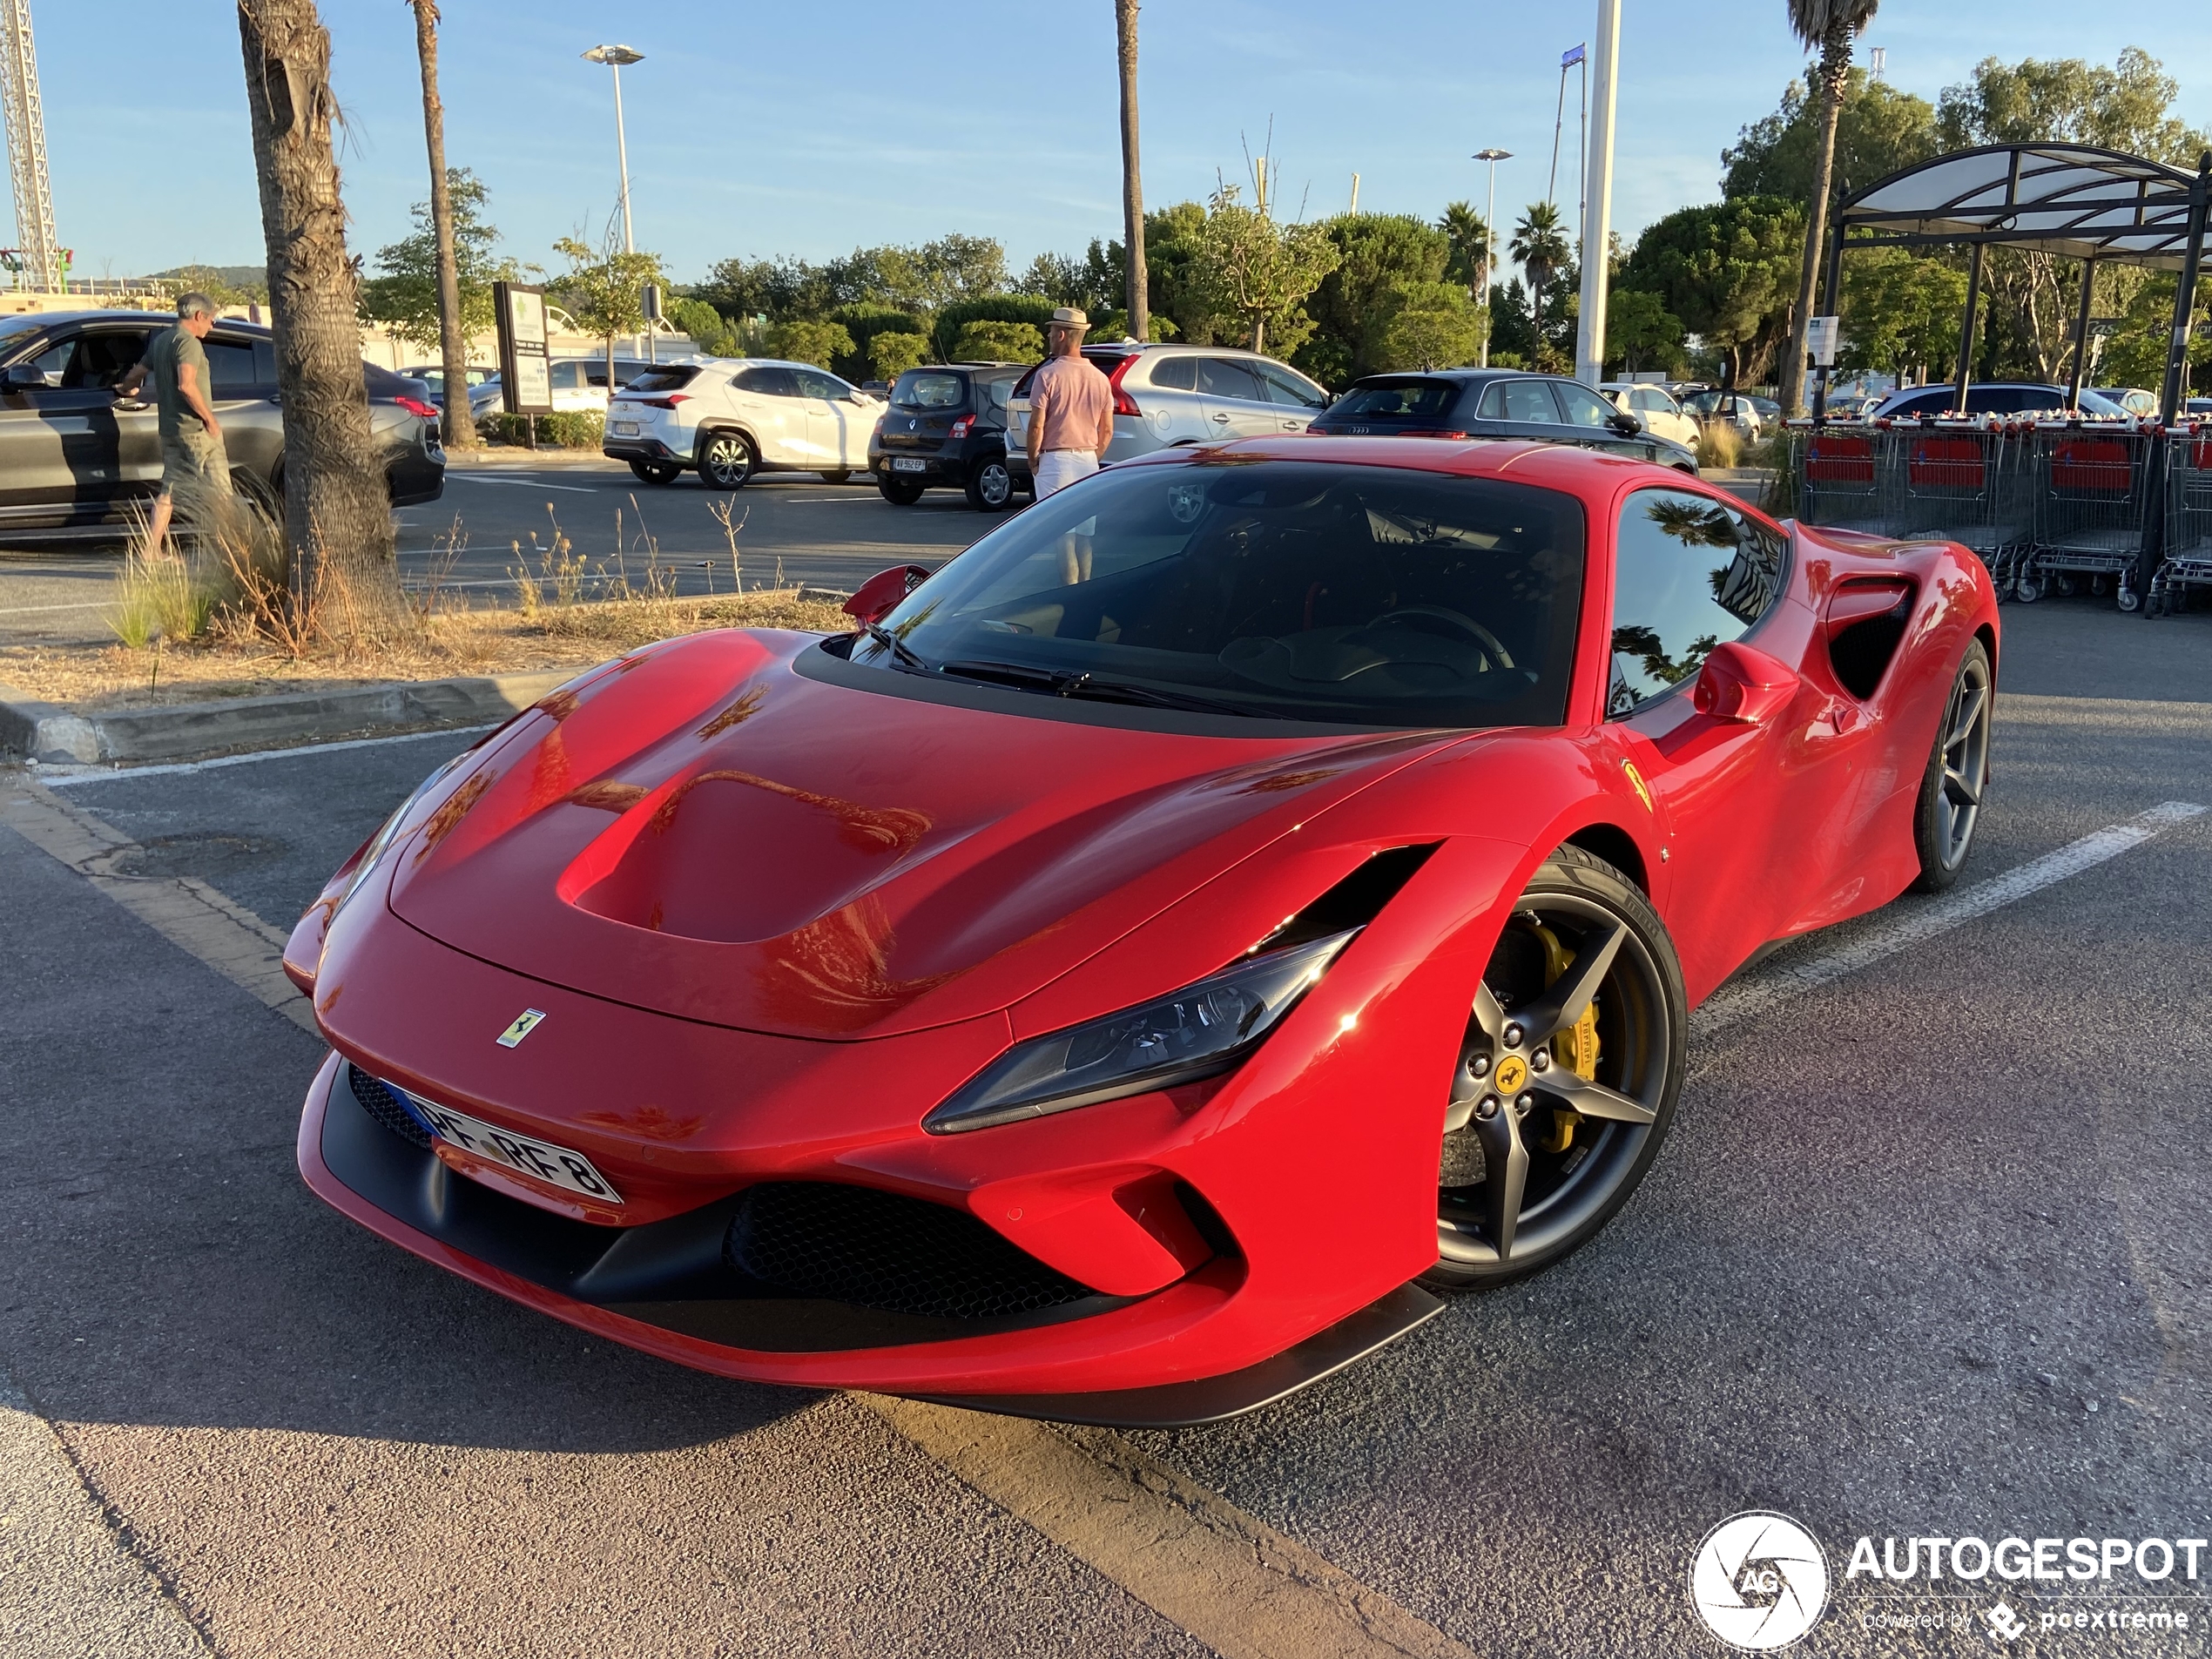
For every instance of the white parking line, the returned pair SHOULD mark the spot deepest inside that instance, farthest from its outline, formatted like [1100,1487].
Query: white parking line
[54,778]
[521,483]
[74,604]
[1760,990]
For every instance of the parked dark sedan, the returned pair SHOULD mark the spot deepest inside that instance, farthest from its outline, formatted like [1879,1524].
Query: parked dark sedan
[1495,403]
[73,458]
[946,429]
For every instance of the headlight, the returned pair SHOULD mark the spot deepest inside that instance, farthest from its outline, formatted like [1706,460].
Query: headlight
[1198,1032]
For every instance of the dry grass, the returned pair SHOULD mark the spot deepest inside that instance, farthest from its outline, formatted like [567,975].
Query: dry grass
[219,664]
[1719,444]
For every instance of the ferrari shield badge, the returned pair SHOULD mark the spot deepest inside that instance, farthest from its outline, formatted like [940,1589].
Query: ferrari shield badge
[525,1022]
[1635,782]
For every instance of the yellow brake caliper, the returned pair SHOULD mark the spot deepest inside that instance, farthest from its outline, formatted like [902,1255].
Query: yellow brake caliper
[1575,1048]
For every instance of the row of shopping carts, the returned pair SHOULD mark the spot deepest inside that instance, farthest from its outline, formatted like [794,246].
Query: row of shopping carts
[2047,508]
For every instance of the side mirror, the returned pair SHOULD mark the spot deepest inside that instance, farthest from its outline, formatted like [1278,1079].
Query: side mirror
[21,380]
[880,594]
[1743,687]
[1624,423]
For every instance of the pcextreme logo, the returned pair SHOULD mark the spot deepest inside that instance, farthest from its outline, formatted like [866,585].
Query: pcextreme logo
[1759,1582]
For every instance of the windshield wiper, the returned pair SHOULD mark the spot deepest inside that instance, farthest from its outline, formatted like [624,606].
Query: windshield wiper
[898,648]
[1067,682]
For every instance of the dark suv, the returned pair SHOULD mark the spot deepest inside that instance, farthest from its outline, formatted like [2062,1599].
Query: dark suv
[73,457]
[946,429]
[1495,403]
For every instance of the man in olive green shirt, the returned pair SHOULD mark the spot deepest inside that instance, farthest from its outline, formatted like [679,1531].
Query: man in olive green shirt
[193,463]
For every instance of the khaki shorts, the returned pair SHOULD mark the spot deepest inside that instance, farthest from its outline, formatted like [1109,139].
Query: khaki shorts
[195,466]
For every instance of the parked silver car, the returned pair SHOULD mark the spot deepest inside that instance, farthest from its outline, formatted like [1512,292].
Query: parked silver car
[1169,395]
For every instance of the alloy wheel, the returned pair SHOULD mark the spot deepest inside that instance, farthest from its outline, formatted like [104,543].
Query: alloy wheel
[1966,761]
[1562,1084]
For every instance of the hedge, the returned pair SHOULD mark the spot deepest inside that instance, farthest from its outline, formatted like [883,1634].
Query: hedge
[1032,308]
[562,429]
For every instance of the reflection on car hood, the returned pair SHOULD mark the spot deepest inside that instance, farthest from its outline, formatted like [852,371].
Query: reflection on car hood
[706,833]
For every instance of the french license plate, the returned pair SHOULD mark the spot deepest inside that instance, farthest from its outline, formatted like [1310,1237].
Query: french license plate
[909,463]
[625,428]
[540,1160]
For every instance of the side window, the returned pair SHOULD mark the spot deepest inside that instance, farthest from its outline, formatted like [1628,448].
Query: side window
[814,383]
[1525,403]
[1227,377]
[768,382]
[568,377]
[1177,375]
[264,365]
[1689,574]
[1584,408]
[1286,389]
[52,364]
[230,364]
[999,391]
[105,358]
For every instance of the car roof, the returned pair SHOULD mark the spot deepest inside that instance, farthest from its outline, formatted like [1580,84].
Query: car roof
[1466,376]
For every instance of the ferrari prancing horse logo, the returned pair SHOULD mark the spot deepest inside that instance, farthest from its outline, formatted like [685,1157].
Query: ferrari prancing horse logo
[525,1022]
[1512,1071]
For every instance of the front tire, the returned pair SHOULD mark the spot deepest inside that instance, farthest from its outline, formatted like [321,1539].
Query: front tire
[990,485]
[656,472]
[726,461]
[1567,1078]
[1949,809]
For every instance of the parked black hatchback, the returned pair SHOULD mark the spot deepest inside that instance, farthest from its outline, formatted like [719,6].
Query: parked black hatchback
[1495,403]
[946,429]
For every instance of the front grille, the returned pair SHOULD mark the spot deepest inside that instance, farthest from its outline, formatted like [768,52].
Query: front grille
[883,1249]
[380,1103]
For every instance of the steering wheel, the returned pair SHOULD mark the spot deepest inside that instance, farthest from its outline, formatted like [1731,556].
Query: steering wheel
[1485,640]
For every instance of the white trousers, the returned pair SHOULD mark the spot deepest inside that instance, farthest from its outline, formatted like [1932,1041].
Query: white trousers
[1057,469]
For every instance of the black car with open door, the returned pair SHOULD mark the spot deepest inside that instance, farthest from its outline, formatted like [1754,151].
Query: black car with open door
[946,429]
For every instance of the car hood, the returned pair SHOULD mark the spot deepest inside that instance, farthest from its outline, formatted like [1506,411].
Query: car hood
[704,831]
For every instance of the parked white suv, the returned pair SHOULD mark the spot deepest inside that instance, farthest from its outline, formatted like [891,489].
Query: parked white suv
[1169,395]
[729,418]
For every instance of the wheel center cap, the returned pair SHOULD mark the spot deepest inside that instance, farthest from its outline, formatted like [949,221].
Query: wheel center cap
[1513,1072]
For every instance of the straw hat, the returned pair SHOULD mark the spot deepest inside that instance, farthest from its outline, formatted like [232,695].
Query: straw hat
[1069,317]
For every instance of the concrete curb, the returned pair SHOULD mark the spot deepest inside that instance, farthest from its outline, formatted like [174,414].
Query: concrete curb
[50,734]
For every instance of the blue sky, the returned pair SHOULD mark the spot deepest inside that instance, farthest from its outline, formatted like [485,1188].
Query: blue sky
[810,129]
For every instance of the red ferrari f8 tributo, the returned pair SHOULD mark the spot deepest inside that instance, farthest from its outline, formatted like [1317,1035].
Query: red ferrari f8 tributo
[1245,892]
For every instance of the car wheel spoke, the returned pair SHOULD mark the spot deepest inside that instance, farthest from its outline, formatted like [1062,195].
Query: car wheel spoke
[1488,1015]
[1962,790]
[1967,717]
[1562,1005]
[1505,1163]
[1591,1099]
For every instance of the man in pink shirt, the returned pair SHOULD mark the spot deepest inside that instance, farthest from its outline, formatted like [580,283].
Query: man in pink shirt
[1071,408]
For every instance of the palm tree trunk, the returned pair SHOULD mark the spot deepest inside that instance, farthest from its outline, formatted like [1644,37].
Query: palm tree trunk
[1835,77]
[453,334]
[1140,315]
[337,511]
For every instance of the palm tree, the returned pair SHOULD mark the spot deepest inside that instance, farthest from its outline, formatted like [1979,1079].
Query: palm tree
[1540,245]
[337,510]
[1470,240]
[1829,26]
[1140,320]
[453,337]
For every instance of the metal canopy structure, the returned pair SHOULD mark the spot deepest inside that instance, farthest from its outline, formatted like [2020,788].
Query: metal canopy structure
[39,256]
[2064,199]
[2073,201]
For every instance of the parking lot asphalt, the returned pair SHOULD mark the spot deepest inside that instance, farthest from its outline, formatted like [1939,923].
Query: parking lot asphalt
[1925,1256]
[493,521]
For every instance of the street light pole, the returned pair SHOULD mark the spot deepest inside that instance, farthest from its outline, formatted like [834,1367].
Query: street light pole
[1489,239]
[1597,234]
[614,57]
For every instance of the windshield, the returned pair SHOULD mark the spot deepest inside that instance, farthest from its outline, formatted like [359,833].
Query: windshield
[927,388]
[1399,400]
[1368,595]
[673,379]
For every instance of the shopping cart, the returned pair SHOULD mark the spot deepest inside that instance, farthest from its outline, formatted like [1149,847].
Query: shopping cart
[1963,484]
[2187,561]
[1840,478]
[2090,500]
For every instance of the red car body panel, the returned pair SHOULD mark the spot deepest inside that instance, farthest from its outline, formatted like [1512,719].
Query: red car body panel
[921,885]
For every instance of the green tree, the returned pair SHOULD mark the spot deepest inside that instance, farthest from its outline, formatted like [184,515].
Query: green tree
[1095,282]
[405,295]
[708,329]
[1639,328]
[1378,256]
[1900,313]
[999,343]
[1258,272]
[1470,239]
[1173,237]
[603,292]
[1428,325]
[891,354]
[1540,245]
[1879,130]
[1726,271]
[804,340]
[1828,27]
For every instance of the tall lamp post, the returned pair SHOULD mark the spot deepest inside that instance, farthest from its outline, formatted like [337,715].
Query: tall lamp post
[1489,239]
[614,57]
